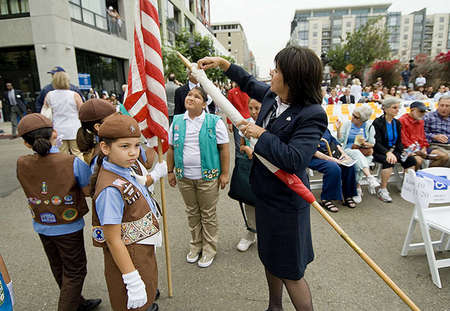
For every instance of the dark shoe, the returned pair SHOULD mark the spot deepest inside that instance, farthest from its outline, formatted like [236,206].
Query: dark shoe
[13,137]
[329,206]
[157,294]
[89,304]
[153,307]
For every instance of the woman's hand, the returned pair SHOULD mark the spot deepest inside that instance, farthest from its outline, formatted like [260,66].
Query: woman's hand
[213,62]
[391,158]
[223,180]
[251,130]
[338,124]
[172,180]
[248,151]
[344,157]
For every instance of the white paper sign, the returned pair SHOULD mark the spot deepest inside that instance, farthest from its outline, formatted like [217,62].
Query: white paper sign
[409,186]
[416,189]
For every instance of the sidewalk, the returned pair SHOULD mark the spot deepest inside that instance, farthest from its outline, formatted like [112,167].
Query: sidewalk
[5,130]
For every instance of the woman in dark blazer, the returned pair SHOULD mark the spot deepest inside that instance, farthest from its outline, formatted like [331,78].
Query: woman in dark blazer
[388,145]
[289,127]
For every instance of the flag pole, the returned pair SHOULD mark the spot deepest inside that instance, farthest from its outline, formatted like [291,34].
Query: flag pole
[295,183]
[165,232]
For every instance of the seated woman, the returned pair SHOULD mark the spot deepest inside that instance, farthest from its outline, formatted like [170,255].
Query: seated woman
[388,145]
[359,134]
[338,180]
[334,98]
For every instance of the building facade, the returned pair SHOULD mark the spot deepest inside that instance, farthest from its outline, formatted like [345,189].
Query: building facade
[85,37]
[409,35]
[193,15]
[79,35]
[232,37]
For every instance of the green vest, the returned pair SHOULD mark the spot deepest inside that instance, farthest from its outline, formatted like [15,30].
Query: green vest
[209,153]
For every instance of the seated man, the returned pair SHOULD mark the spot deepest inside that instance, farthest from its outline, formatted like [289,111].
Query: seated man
[413,132]
[347,98]
[339,181]
[437,130]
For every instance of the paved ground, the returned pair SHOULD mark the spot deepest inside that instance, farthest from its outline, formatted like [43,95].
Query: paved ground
[338,278]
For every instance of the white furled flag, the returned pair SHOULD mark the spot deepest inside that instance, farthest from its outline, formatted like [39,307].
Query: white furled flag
[146,97]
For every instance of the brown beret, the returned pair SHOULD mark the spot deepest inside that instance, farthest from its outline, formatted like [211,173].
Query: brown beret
[32,122]
[95,109]
[119,126]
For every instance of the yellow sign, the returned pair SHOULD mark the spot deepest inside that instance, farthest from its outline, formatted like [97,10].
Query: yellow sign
[349,68]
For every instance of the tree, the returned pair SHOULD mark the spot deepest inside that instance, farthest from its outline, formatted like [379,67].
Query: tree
[363,47]
[194,46]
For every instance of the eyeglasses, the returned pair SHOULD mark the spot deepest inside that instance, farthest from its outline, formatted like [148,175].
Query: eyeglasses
[355,116]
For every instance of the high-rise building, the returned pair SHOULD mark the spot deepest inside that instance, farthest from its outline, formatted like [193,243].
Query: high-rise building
[193,15]
[232,37]
[409,35]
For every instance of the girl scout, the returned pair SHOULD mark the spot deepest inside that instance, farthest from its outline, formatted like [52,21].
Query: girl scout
[53,182]
[198,158]
[125,217]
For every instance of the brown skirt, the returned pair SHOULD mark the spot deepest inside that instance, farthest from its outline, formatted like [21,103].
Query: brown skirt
[143,257]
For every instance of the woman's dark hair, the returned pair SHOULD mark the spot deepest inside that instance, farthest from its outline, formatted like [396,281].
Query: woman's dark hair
[302,72]
[39,140]
[202,93]
[99,163]
[86,135]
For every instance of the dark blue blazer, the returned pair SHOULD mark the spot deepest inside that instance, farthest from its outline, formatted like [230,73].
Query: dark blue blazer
[282,216]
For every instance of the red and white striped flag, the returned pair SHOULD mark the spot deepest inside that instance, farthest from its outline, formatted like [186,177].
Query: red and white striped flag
[146,97]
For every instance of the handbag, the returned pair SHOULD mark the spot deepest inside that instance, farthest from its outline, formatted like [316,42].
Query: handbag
[240,189]
[365,151]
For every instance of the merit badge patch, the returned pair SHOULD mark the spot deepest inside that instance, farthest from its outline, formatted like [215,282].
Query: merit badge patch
[56,200]
[2,295]
[119,182]
[70,214]
[68,200]
[47,202]
[98,235]
[44,188]
[48,218]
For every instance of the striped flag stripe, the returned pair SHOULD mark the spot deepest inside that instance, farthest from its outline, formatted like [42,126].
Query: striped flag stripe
[146,99]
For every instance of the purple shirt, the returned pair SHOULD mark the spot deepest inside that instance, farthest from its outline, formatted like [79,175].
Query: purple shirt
[435,124]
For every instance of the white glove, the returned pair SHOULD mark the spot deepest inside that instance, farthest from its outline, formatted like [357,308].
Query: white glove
[159,171]
[139,178]
[11,292]
[137,296]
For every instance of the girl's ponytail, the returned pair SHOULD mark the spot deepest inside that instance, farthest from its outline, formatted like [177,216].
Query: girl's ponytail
[42,146]
[39,140]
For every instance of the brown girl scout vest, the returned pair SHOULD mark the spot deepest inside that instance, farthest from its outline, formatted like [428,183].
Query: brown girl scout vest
[138,221]
[54,197]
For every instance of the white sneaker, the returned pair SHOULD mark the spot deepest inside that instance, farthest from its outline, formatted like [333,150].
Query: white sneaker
[358,197]
[384,196]
[205,261]
[192,257]
[244,244]
[373,183]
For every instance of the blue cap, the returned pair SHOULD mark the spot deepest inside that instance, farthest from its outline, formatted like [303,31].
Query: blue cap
[56,69]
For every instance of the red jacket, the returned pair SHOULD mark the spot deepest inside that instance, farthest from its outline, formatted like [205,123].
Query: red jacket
[412,131]
[239,100]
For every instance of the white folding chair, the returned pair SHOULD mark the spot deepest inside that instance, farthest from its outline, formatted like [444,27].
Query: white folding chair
[437,218]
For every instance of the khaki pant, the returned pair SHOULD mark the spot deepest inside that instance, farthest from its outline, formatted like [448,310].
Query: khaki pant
[201,198]
[444,149]
[251,221]
[71,147]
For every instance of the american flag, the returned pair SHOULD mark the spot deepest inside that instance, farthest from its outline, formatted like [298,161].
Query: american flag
[146,97]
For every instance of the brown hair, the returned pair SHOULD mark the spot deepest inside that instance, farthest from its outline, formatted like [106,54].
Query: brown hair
[302,72]
[98,164]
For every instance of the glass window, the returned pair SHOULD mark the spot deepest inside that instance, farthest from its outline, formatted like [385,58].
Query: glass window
[441,19]
[170,10]
[406,20]
[360,11]
[336,40]
[337,22]
[75,12]
[418,19]
[379,10]
[303,26]
[303,35]
[303,42]
[88,17]
[341,12]
[13,7]
[96,6]
[315,26]
[441,27]
[315,34]
[348,24]
[321,13]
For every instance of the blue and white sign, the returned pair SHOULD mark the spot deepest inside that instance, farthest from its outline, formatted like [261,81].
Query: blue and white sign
[84,80]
